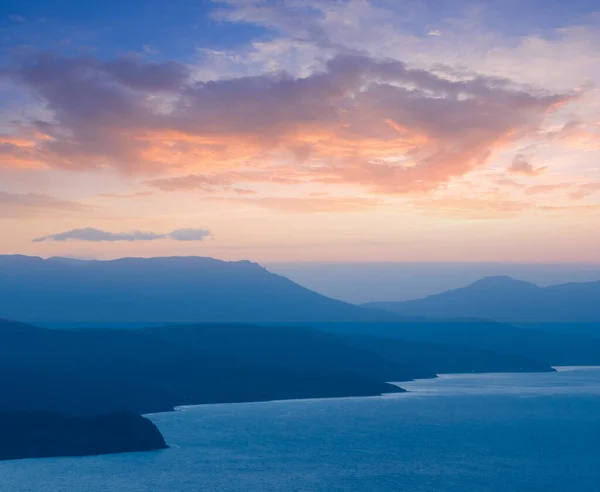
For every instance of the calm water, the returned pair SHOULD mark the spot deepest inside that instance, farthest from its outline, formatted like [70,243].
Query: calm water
[500,433]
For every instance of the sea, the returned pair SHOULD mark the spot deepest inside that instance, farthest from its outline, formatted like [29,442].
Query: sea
[458,433]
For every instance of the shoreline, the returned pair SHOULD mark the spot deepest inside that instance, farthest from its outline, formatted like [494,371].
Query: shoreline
[407,392]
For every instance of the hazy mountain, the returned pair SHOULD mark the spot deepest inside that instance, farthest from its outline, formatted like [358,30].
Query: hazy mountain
[552,348]
[360,282]
[307,351]
[508,300]
[445,358]
[178,289]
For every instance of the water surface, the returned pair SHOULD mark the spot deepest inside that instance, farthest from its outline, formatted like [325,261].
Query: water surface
[483,433]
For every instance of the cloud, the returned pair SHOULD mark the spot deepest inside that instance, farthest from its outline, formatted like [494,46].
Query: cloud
[189,234]
[547,188]
[520,165]
[577,135]
[243,191]
[19,151]
[506,182]
[585,190]
[192,182]
[127,196]
[375,123]
[95,107]
[473,38]
[309,204]
[96,235]
[17,18]
[223,181]
[474,206]
[148,76]
[20,205]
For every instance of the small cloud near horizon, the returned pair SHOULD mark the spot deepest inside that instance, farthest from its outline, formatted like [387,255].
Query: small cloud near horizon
[97,235]
[520,165]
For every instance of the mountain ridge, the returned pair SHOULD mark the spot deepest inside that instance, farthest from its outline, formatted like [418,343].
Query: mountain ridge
[161,290]
[91,371]
[508,300]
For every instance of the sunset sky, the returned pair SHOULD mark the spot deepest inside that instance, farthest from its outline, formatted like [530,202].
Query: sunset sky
[296,130]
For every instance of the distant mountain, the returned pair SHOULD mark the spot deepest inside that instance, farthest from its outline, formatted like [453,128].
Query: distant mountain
[300,350]
[508,300]
[549,347]
[312,351]
[445,358]
[160,290]
[44,435]
[93,371]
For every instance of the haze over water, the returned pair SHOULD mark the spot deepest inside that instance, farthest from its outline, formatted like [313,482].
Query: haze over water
[485,433]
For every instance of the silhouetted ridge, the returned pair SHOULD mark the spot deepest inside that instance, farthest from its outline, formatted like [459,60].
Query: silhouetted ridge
[300,350]
[45,434]
[91,371]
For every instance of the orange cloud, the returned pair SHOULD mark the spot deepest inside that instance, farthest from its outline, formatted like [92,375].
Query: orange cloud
[310,204]
[373,123]
[19,152]
[16,140]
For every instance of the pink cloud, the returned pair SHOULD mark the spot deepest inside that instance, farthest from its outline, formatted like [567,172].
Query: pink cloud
[585,190]
[373,123]
[36,205]
[547,188]
[520,165]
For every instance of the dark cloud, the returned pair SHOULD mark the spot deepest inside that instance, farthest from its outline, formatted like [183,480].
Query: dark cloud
[148,76]
[97,235]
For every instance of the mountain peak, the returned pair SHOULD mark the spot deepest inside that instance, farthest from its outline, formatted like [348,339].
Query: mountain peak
[501,282]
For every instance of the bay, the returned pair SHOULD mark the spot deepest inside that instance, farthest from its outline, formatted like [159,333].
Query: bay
[459,433]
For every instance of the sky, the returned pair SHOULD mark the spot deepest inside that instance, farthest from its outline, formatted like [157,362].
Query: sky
[301,131]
